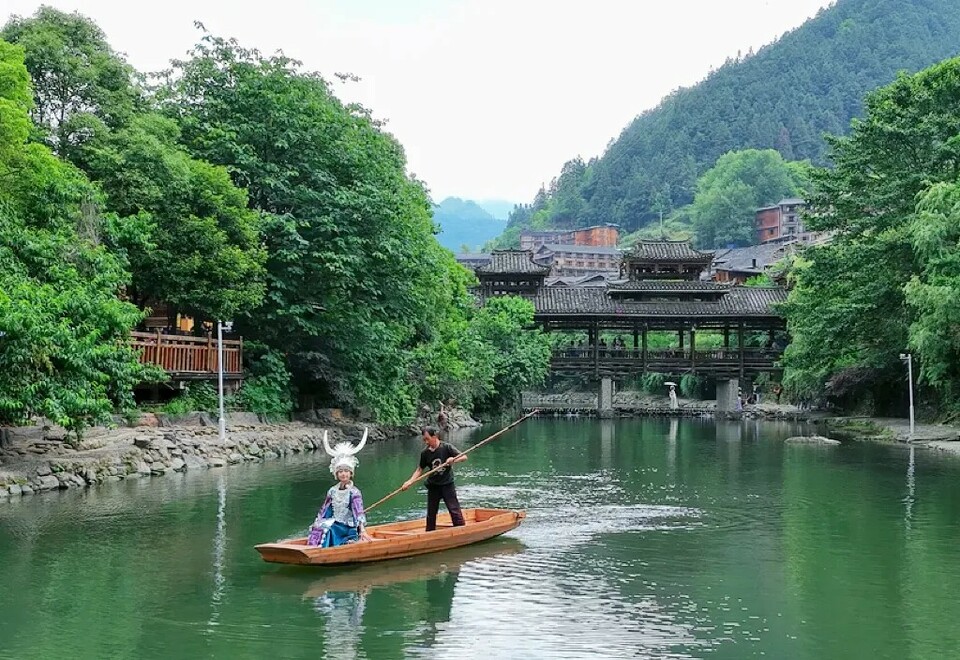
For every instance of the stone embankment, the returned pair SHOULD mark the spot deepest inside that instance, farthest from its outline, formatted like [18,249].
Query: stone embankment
[629,403]
[33,462]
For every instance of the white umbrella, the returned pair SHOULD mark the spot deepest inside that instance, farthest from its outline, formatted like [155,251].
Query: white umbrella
[669,382]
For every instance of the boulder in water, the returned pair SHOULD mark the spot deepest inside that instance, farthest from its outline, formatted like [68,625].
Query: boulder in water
[811,440]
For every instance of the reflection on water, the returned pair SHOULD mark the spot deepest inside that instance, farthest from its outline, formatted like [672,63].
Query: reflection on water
[911,488]
[653,538]
[219,547]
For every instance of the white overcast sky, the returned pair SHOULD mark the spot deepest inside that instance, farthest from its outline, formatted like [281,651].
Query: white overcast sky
[488,97]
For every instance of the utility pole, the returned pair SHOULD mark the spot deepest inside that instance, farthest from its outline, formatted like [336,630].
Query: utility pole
[908,358]
[222,421]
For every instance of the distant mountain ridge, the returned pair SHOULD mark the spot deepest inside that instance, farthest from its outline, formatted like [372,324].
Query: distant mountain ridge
[465,222]
[785,97]
[498,208]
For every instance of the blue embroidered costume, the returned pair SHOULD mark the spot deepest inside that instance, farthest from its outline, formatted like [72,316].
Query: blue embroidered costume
[341,518]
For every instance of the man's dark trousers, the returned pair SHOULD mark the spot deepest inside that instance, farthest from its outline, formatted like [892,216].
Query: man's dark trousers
[448,493]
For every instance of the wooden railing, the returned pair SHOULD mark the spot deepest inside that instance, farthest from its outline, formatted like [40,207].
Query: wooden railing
[188,356]
[668,360]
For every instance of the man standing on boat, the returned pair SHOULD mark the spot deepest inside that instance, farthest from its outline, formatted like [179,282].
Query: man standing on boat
[440,484]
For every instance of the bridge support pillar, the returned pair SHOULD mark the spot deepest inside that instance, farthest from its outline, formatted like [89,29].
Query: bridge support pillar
[605,400]
[727,394]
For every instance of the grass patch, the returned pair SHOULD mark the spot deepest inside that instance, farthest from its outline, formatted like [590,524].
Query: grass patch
[858,429]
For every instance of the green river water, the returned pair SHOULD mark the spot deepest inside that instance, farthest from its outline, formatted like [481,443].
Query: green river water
[644,538]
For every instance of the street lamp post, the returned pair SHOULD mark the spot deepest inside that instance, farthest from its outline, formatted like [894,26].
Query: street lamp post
[222,421]
[908,358]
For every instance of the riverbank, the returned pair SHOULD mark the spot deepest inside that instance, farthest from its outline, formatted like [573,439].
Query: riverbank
[37,459]
[42,463]
[942,437]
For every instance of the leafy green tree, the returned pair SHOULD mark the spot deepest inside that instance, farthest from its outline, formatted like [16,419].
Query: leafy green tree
[450,363]
[517,355]
[74,71]
[729,194]
[186,230]
[354,271]
[266,388]
[848,309]
[934,234]
[64,350]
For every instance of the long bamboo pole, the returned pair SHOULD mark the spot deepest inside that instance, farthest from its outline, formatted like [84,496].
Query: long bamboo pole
[440,467]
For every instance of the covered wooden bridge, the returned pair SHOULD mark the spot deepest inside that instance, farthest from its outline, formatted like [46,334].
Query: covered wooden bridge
[751,332]
[659,291]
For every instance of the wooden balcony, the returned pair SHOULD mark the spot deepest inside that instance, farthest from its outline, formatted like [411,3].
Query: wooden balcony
[189,358]
[724,362]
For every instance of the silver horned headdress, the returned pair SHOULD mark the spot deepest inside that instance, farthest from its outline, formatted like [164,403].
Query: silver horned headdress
[343,455]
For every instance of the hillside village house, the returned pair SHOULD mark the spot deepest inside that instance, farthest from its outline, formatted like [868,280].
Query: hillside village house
[598,236]
[784,222]
[578,259]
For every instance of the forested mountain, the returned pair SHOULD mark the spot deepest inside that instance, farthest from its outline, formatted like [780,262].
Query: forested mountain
[785,97]
[464,222]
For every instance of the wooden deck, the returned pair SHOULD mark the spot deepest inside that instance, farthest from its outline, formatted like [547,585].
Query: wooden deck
[189,358]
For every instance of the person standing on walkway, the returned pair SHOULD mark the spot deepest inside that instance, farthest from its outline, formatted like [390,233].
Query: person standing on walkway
[443,419]
[440,484]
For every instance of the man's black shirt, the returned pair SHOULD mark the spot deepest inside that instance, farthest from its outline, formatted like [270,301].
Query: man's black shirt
[431,458]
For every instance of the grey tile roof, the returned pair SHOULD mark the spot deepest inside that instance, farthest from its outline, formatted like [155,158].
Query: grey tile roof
[667,251]
[581,249]
[594,280]
[513,261]
[589,301]
[741,260]
[545,233]
[668,285]
[472,258]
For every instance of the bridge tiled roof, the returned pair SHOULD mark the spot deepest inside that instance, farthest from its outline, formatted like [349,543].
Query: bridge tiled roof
[583,301]
[667,251]
[513,262]
[669,285]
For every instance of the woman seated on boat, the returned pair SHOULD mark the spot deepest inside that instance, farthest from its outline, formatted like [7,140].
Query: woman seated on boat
[341,518]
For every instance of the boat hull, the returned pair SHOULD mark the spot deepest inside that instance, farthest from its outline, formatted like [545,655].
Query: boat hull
[397,540]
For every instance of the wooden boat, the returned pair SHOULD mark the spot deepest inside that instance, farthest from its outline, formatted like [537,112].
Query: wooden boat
[399,539]
[364,577]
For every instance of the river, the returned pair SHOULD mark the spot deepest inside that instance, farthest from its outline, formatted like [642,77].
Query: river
[644,538]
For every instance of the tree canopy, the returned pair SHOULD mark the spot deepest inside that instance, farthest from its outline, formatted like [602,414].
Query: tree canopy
[366,305]
[729,193]
[63,326]
[180,223]
[889,199]
[240,186]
